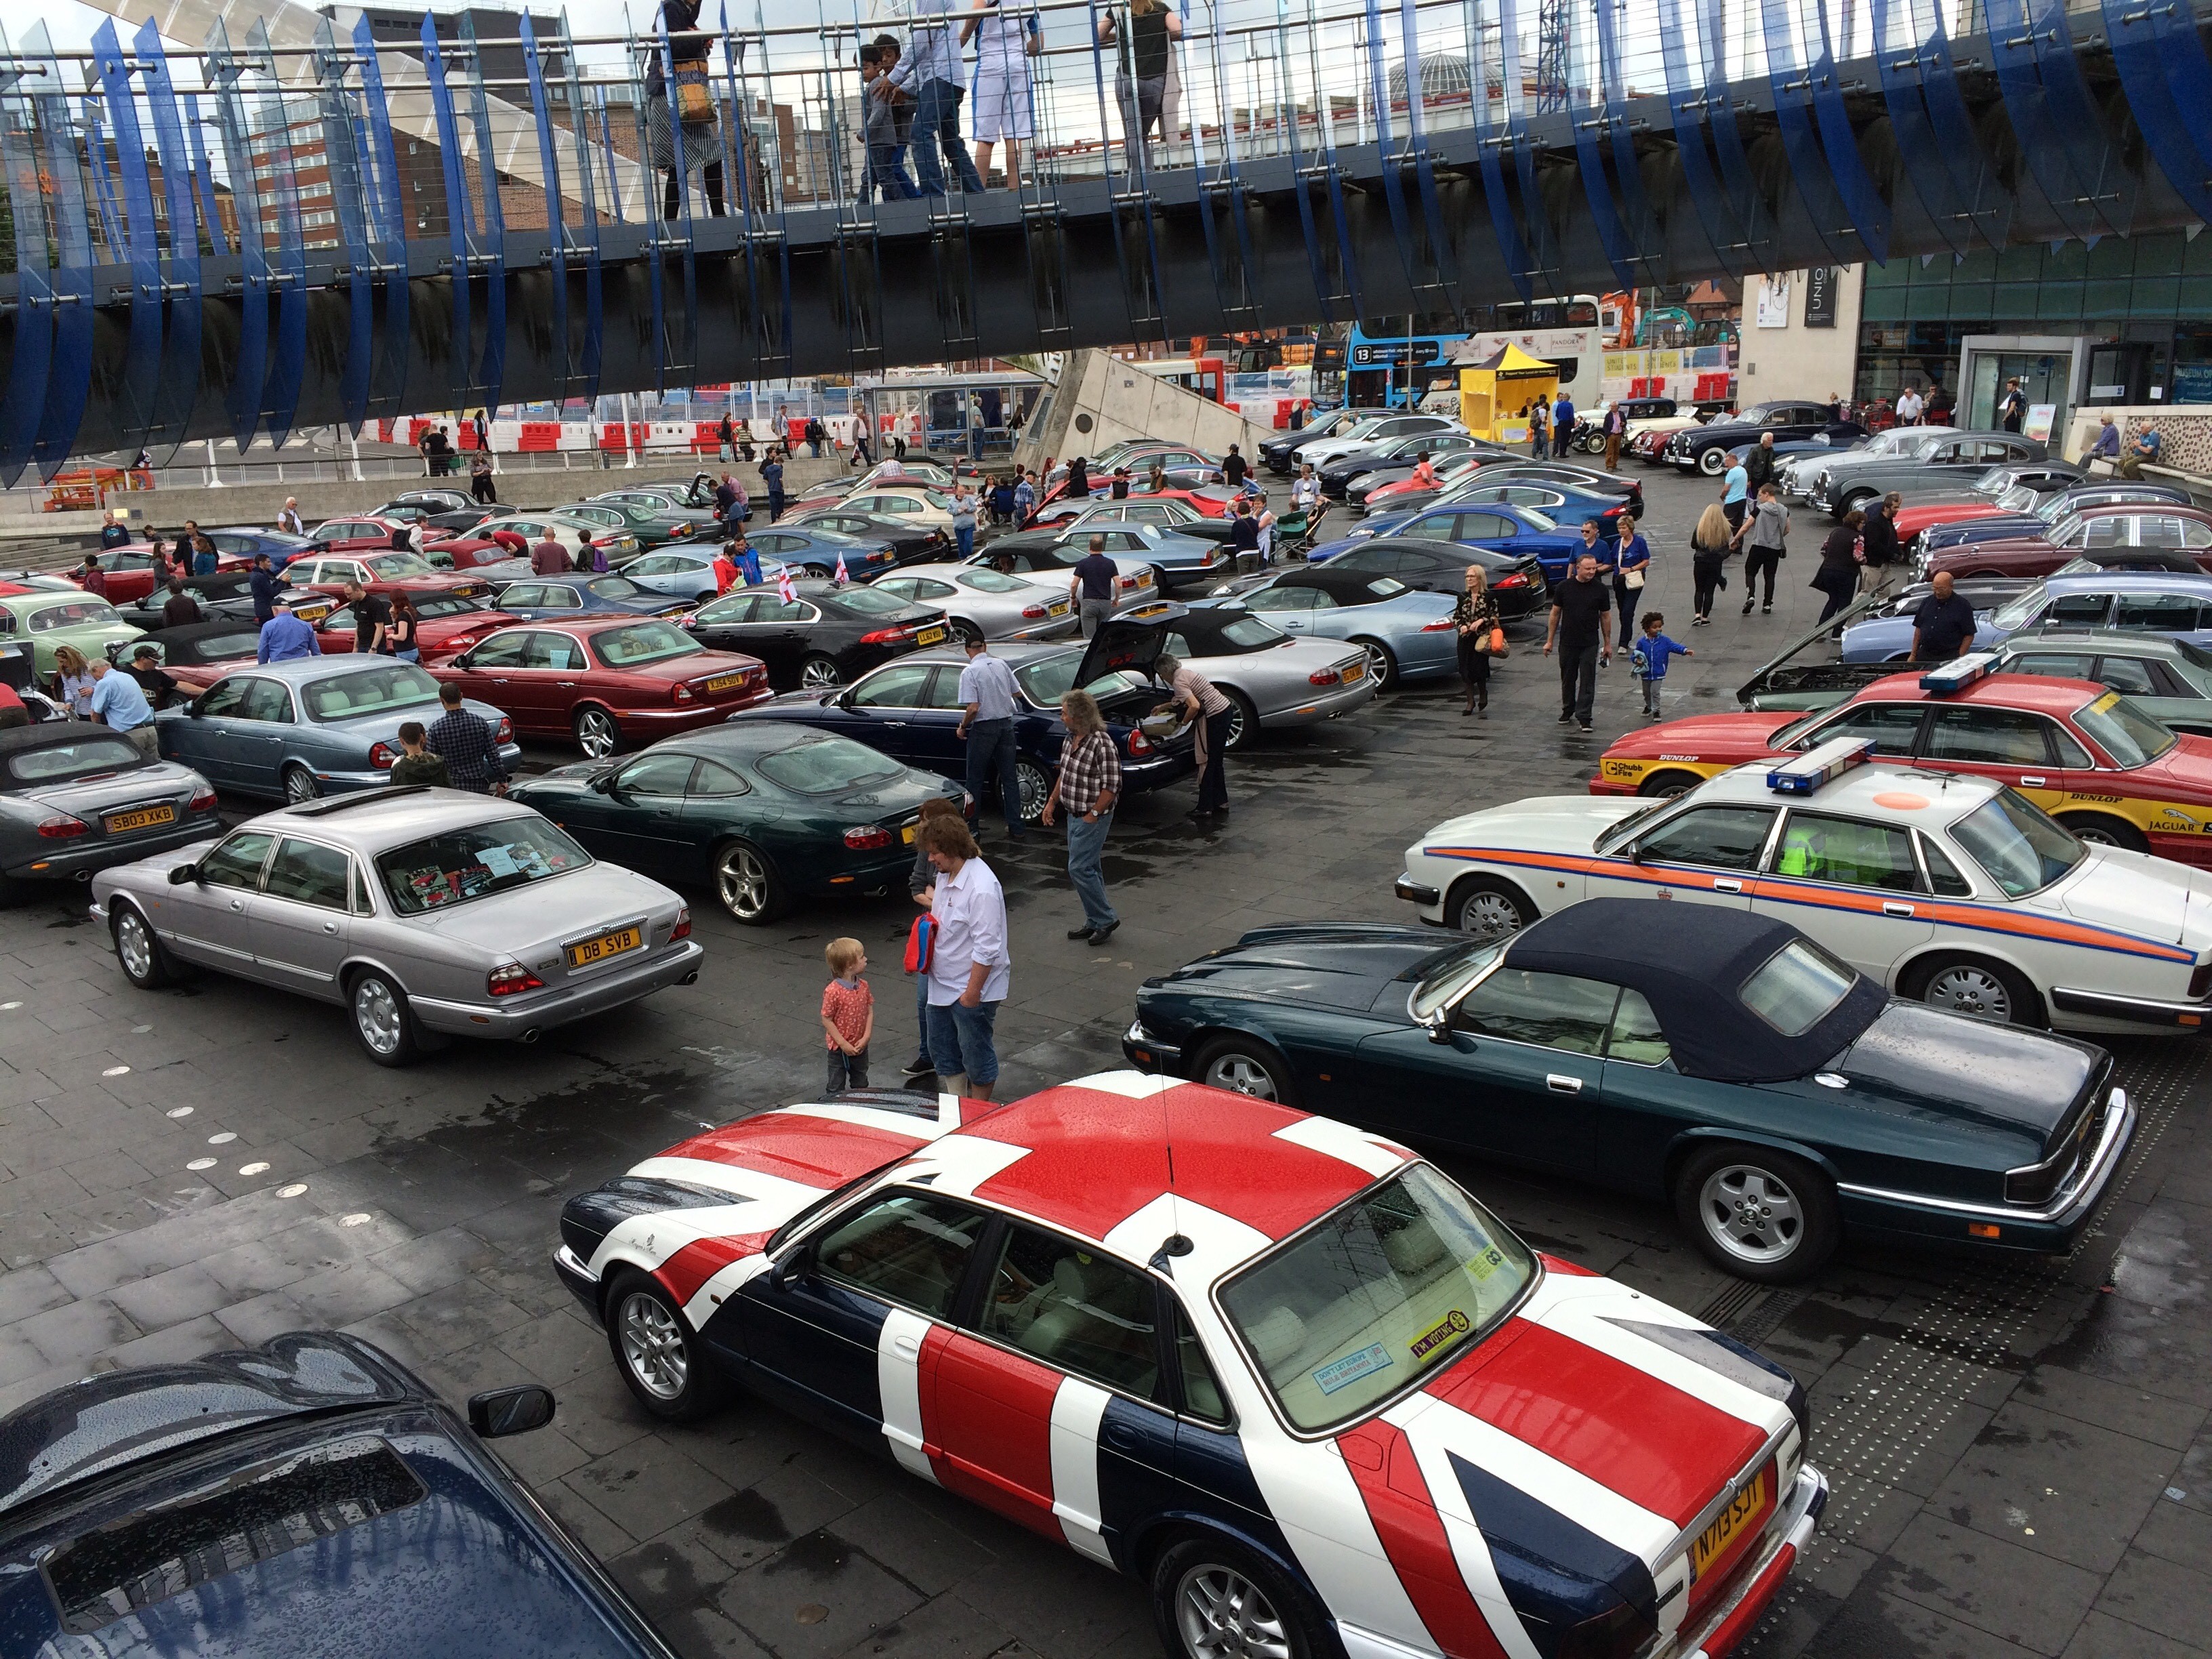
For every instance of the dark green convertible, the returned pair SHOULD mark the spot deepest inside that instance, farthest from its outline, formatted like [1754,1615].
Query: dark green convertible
[765,811]
[1710,1056]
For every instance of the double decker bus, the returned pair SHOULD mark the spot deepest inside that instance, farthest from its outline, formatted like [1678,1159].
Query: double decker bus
[1400,361]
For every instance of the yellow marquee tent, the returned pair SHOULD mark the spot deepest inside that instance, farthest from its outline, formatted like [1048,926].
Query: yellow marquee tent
[1493,393]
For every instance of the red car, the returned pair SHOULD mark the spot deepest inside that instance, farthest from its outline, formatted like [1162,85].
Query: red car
[387,572]
[2123,524]
[2083,753]
[607,683]
[365,533]
[129,570]
[449,625]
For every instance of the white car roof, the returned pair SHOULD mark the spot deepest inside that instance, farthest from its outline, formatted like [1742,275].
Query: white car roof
[1870,792]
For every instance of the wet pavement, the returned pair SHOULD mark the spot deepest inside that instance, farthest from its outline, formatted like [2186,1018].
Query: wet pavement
[2018,1452]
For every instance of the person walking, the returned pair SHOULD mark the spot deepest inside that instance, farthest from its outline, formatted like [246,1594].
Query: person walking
[1089,784]
[2012,408]
[986,725]
[1480,632]
[372,619]
[930,73]
[118,702]
[1879,537]
[1581,630]
[1235,469]
[1006,39]
[1091,586]
[1244,539]
[882,126]
[289,520]
[1305,491]
[1759,466]
[1652,649]
[196,547]
[921,887]
[1631,569]
[1736,491]
[849,1015]
[402,635]
[417,765]
[971,968]
[285,638]
[469,746]
[689,49]
[725,434]
[1616,428]
[265,585]
[1943,627]
[1767,533]
[1710,543]
[1140,72]
[772,479]
[1208,710]
[92,576]
[1838,574]
[1539,426]
[482,421]
[963,519]
[1024,498]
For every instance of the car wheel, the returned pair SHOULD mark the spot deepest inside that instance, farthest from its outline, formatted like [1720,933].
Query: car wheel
[299,784]
[964,633]
[1243,721]
[1214,1599]
[1854,502]
[1243,1066]
[1035,787]
[1380,664]
[597,734]
[1975,987]
[660,1356]
[382,1020]
[1713,461]
[819,673]
[1487,907]
[2098,831]
[747,883]
[144,961]
[819,572]
[1758,1214]
[1665,784]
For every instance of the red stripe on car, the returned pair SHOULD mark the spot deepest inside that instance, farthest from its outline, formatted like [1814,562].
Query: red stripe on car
[816,1152]
[1388,1476]
[987,1424]
[684,1271]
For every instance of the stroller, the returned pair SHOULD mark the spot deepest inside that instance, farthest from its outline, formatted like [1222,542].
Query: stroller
[1297,531]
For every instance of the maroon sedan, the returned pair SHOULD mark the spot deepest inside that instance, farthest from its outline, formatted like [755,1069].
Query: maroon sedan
[2122,524]
[447,625]
[607,682]
[387,572]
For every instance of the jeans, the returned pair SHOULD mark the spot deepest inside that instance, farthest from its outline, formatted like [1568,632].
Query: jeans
[991,755]
[1537,444]
[1578,680]
[847,1070]
[1735,510]
[960,1041]
[1086,843]
[1139,103]
[1213,782]
[1626,596]
[1766,560]
[1706,571]
[936,126]
[922,1015]
[963,538]
[1651,696]
[1094,613]
[775,505]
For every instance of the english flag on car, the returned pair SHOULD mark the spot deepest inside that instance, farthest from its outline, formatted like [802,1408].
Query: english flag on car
[783,588]
[841,577]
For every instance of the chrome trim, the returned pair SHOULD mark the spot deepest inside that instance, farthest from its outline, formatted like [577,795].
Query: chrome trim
[2119,1119]
[1138,1035]
[2118,1007]
[1808,1496]
[567,1260]
[1705,1517]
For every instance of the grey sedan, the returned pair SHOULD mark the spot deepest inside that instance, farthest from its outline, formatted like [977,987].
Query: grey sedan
[75,798]
[1273,681]
[981,603]
[425,912]
[319,726]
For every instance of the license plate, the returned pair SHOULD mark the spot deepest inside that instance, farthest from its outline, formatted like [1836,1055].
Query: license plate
[1732,1522]
[907,834]
[1354,672]
[605,945]
[1057,608]
[930,636]
[146,817]
[726,682]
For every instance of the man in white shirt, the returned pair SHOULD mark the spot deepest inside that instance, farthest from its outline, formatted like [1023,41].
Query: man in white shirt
[929,73]
[970,965]
[1908,407]
[987,698]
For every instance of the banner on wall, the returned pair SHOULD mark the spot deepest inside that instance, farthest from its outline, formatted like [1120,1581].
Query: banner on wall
[1774,303]
[1820,296]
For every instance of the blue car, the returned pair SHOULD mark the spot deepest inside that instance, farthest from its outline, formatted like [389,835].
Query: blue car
[2144,602]
[2046,512]
[306,1493]
[1407,634]
[579,594]
[1492,525]
[316,726]
[281,547]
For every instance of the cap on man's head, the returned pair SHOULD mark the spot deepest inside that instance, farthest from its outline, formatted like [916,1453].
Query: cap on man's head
[975,643]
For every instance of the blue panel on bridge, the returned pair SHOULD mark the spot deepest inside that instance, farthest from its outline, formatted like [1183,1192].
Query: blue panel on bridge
[586,368]
[287,356]
[1790,80]
[491,249]
[1637,217]
[250,367]
[387,213]
[1686,109]
[342,136]
[69,380]
[460,215]
[2188,71]
[33,356]
[1839,145]
[1743,193]
[2080,125]
[556,217]
[2138,51]
[140,371]
[2049,158]
[1898,45]
[180,341]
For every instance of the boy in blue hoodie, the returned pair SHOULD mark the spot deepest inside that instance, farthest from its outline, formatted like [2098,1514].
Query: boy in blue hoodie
[1650,658]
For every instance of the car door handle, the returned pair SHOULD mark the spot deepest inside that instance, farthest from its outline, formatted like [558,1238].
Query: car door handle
[2032,782]
[1891,908]
[1121,1434]
[330,927]
[237,904]
[1723,885]
[1563,1085]
[908,1345]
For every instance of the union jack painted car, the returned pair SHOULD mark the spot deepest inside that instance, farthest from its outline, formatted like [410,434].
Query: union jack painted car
[1280,1369]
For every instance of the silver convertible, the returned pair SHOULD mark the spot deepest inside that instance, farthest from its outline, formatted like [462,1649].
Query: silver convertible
[426,913]
[75,798]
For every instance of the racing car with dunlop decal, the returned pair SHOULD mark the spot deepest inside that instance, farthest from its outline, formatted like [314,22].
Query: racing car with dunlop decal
[1951,890]
[2085,754]
[1280,1370]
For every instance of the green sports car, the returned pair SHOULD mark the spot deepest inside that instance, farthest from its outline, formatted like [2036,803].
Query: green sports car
[46,620]
[1714,1057]
[765,811]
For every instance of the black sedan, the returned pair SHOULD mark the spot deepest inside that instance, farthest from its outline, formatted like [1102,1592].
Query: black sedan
[911,544]
[823,636]
[415,505]
[764,812]
[309,1496]
[1721,1061]
[910,709]
[577,593]
[1397,457]
[1517,579]
[226,595]
[652,527]
[1706,448]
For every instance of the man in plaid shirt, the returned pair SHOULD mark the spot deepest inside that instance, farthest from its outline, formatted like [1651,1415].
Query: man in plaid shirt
[468,745]
[1089,784]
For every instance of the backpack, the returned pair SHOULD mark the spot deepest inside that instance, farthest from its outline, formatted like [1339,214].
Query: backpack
[920,943]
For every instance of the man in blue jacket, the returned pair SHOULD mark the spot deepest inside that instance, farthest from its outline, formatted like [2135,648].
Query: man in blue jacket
[265,586]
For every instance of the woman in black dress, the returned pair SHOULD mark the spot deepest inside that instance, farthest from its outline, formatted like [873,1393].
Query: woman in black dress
[1474,614]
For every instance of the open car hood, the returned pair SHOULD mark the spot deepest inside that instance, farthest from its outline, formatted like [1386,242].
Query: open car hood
[1134,643]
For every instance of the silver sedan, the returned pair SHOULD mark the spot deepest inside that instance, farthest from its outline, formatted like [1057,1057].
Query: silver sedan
[981,602]
[426,913]
[1273,681]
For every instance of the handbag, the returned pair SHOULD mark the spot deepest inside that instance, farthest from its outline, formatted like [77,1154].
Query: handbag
[1498,647]
[920,943]
[1633,580]
[694,104]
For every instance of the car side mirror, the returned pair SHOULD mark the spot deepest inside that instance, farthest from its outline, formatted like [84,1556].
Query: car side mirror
[500,1412]
[793,1269]
[1439,1030]
[604,784]
[184,875]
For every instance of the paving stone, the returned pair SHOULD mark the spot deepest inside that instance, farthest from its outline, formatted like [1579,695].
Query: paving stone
[815,1597]
[2056,1485]
[170,1298]
[648,1486]
[1998,1588]
[2161,1595]
[2103,1636]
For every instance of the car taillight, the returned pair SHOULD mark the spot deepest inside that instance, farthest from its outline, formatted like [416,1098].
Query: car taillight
[1517,579]
[202,802]
[1443,627]
[381,757]
[683,694]
[895,636]
[1324,677]
[683,927]
[1033,611]
[513,978]
[1140,744]
[867,837]
[504,731]
[63,827]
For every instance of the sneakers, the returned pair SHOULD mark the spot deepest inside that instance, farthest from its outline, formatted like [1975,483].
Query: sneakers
[1083,931]
[1583,724]
[1746,607]
[1565,715]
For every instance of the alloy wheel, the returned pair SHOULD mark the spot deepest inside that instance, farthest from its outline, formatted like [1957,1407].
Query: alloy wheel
[376,1013]
[596,733]
[653,1346]
[1751,1213]
[1965,989]
[818,674]
[741,878]
[1221,1614]
[1489,916]
[299,784]
[1033,789]
[134,944]
[1378,661]
[1242,1073]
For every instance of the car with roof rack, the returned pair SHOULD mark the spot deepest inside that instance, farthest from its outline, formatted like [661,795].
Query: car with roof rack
[1955,889]
[425,914]
[1259,1362]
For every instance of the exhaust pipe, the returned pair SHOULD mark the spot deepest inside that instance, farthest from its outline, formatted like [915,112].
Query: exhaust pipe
[85,876]
[691,978]
[528,1037]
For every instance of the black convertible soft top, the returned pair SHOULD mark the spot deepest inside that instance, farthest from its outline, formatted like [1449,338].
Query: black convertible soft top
[1689,961]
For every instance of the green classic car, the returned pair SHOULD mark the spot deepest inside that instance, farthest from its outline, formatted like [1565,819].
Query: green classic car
[1720,1060]
[765,811]
[654,526]
[47,620]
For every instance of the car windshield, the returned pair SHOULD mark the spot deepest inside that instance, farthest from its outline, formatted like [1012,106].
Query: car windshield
[392,566]
[2017,843]
[82,757]
[460,865]
[826,766]
[82,613]
[2018,499]
[1449,980]
[1387,1289]
[991,582]
[616,587]
[2014,614]
[369,691]
[870,603]
[2123,731]
[1796,988]
[1542,521]
[1047,680]
[641,642]
[1249,633]
[444,604]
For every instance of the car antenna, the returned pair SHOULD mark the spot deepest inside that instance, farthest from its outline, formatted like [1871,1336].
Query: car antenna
[1175,1244]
